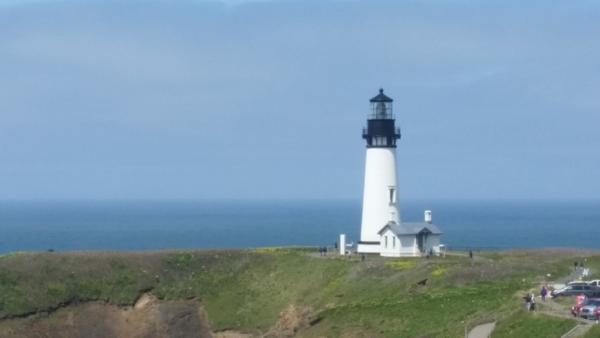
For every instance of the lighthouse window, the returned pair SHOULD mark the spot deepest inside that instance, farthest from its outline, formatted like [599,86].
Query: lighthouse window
[386,241]
[394,242]
[392,195]
[379,141]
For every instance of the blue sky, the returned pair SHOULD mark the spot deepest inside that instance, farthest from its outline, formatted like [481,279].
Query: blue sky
[266,99]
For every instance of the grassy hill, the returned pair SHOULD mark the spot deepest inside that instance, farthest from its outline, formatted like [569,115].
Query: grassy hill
[255,291]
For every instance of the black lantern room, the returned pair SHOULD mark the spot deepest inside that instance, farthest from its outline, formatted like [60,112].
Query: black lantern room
[381,131]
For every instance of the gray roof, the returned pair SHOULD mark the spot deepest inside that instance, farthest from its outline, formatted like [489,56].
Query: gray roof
[411,228]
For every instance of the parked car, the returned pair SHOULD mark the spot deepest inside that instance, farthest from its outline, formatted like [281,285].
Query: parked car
[595,282]
[572,290]
[580,301]
[588,311]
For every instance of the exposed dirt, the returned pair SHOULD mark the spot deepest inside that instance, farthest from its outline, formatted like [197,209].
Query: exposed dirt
[231,334]
[147,318]
[292,319]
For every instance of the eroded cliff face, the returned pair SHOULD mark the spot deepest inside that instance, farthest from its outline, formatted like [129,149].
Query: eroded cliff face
[149,317]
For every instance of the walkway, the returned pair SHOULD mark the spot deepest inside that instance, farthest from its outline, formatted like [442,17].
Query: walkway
[482,331]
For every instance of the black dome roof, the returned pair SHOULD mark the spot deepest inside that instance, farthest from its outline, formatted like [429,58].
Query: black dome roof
[381,97]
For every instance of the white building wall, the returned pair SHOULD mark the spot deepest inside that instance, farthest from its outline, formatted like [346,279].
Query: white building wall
[392,249]
[432,242]
[405,246]
[409,245]
[377,211]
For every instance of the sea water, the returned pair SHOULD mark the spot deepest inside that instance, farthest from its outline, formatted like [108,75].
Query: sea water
[145,225]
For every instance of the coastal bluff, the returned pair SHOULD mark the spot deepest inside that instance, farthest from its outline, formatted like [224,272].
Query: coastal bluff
[278,292]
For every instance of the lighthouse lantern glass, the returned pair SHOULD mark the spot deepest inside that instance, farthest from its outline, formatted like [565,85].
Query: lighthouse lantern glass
[381,110]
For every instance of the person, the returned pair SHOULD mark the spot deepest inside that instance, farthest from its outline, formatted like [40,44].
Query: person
[471,254]
[527,300]
[543,293]
[532,306]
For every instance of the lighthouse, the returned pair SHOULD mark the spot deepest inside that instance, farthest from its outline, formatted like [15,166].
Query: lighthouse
[380,195]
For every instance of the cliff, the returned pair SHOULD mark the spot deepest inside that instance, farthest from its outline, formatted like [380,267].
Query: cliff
[272,292]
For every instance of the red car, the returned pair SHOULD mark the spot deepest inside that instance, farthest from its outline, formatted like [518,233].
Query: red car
[590,309]
[580,301]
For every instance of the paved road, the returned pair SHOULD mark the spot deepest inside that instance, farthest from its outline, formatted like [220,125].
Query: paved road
[482,331]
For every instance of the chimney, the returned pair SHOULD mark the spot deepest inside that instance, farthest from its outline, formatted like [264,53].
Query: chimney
[428,216]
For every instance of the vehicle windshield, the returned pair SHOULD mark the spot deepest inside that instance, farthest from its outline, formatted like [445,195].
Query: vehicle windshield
[594,302]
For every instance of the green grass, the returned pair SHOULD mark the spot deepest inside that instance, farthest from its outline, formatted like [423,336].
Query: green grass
[528,324]
[248,289]
[440,312]
[594,332]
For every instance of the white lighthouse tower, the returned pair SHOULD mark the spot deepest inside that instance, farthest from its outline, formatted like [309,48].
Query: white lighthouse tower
[380,189]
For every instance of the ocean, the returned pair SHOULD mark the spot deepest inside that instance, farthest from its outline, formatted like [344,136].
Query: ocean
[68,226]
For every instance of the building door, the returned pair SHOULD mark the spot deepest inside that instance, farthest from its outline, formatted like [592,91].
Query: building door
[422,239]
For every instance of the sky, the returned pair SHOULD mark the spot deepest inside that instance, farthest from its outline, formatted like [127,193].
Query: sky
[259,100]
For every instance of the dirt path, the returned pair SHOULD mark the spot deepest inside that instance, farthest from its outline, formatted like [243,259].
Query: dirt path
[482,331]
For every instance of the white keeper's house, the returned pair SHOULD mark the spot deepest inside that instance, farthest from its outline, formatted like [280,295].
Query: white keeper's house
[409,239]
[382,231]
